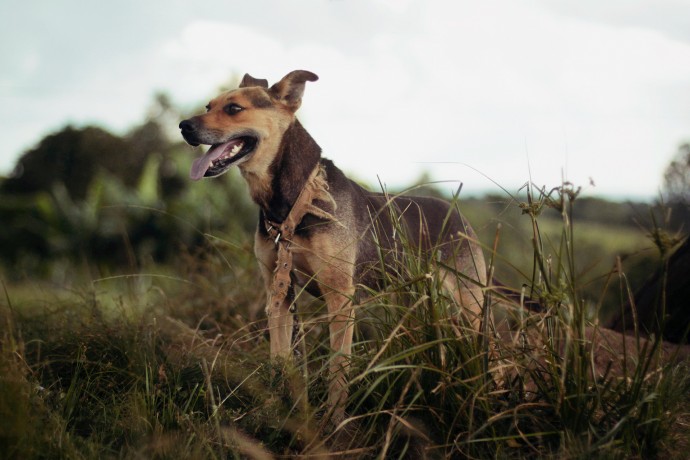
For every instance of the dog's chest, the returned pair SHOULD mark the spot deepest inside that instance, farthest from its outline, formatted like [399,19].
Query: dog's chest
[302,265]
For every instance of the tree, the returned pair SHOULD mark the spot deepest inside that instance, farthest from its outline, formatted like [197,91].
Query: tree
[677,176]
[661,303]
[73,157]
[676,190]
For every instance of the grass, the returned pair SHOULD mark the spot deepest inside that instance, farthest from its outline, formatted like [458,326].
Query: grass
[602,246]
[174,364]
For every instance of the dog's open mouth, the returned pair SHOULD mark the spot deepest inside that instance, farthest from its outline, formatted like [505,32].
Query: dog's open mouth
[220,157]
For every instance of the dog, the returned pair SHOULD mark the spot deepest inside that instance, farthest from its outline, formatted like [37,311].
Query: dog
[318,229]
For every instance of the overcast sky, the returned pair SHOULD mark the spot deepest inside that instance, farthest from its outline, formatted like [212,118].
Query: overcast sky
[486,92]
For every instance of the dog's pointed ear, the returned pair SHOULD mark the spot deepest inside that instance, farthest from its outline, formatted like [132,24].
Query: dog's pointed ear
[290,89]
[248,81]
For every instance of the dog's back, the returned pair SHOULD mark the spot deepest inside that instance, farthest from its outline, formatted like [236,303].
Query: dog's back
[388,228]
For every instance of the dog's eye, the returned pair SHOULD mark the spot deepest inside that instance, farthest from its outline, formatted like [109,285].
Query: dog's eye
[232,109]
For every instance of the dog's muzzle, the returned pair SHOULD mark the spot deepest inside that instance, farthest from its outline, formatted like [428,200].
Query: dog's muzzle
[223,153]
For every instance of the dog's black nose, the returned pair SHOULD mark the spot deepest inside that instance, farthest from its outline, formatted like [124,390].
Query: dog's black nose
[186,126]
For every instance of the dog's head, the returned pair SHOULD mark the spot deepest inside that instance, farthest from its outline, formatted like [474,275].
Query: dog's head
[245,126]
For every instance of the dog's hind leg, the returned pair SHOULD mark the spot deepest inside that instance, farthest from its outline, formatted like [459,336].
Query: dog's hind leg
[466,280]
[468,295]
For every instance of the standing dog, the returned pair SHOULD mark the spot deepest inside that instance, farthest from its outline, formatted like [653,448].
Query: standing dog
[318,229]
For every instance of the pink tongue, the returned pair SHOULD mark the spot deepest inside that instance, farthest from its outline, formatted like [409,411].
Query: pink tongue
[201,164]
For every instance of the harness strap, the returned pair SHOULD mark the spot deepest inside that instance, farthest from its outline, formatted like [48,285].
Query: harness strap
[316,188]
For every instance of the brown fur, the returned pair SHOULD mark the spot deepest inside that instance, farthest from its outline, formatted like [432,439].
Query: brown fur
[331,257]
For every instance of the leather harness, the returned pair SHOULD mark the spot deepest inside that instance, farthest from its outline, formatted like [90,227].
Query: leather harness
[316,188]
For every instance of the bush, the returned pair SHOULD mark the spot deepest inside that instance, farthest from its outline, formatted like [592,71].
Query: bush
[115,227]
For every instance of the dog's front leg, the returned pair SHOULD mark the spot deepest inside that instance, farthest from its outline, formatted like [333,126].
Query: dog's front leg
[341,327]
[280,326]
[280,319]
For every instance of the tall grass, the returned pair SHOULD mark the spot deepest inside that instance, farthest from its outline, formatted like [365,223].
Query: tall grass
[176,366]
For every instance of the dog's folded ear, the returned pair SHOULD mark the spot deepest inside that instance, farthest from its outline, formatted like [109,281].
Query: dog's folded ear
[290,89]
[248,81]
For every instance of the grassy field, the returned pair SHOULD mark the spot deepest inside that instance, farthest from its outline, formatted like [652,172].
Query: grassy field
[172,362]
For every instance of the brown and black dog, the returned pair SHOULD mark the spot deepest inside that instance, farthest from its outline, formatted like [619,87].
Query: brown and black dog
[317,228]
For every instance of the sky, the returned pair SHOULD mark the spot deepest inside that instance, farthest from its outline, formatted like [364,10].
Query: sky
[489,94]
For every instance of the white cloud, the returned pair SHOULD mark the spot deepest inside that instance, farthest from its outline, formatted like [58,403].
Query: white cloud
[413,85]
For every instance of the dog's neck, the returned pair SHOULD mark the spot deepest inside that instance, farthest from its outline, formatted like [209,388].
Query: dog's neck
[298,155]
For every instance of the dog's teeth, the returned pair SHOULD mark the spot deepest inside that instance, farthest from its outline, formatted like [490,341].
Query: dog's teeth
[228,154]
[236,149]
